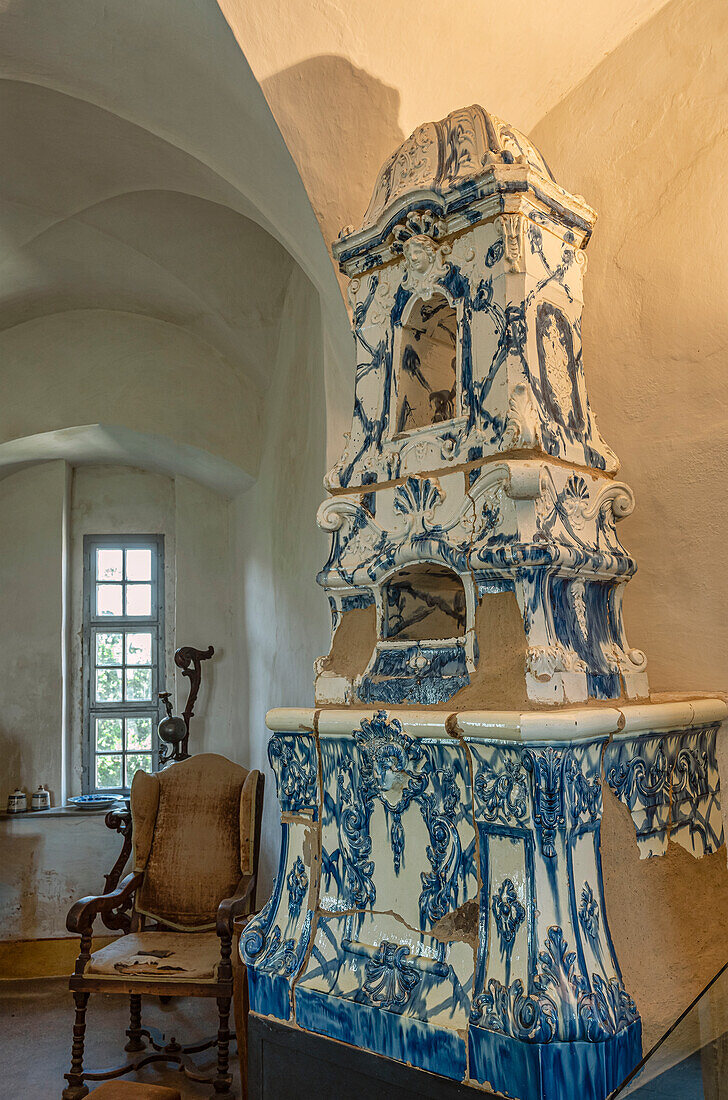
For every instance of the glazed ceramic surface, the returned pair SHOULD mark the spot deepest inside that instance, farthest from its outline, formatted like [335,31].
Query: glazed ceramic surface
[474,458]
[439,898]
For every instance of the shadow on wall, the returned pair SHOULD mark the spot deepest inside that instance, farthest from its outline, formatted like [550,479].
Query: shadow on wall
[341,125]
[645,139]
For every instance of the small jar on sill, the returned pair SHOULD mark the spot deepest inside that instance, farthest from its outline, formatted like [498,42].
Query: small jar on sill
[41,799]
[17,802]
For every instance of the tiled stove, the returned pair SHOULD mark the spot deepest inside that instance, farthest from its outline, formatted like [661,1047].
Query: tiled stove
[439,899]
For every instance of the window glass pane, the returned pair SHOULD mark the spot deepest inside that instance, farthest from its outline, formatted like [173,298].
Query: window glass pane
[109,564]
[109,649]
[108,735]
[108,771]
[139,565]
[122,673]
[136,761]
[109,599]
[108,685]
[139,649]
[139,599]
[138,684]
[139,733]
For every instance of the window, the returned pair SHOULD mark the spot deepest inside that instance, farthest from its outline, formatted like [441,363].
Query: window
[123,628]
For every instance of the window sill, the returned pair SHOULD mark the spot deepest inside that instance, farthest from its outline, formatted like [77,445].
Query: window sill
[59,811]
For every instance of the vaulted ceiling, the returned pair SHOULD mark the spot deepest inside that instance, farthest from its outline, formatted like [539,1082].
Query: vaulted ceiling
[150,218]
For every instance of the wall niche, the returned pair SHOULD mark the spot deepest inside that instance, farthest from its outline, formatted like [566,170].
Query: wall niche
[424,603]
[426,375]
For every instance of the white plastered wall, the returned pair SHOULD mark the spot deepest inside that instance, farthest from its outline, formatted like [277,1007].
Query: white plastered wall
[31,577]
[47,863]
[281,617]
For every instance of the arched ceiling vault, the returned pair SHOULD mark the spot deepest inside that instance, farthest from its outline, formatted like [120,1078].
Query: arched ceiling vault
[150,218]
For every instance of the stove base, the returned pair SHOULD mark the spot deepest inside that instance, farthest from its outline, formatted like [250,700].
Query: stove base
[439,900]
[553,1071]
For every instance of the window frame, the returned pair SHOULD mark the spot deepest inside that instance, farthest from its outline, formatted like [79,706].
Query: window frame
[94,624]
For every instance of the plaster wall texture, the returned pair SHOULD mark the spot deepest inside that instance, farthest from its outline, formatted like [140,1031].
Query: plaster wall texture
[48,863]
[31,561]
[204,595]
[150,370]
[652,126]
[44,862]
[281,620]
[45,865]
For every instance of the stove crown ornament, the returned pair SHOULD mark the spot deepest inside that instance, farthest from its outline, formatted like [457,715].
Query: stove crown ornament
[474,550]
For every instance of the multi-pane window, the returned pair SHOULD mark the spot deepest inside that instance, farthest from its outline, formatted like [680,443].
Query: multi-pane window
[123,657]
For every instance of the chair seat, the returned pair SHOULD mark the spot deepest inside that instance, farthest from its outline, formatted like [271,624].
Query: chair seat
[164,956]
[133,1090]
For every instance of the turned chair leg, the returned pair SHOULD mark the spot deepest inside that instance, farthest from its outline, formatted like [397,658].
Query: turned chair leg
[134,1031]
[76,1089]
[241,1005]
[223,1079]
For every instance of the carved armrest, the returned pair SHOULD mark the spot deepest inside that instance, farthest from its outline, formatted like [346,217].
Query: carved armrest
[235,906]
[82,915]
[119,819]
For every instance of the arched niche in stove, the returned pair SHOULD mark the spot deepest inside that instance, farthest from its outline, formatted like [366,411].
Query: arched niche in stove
[425,384]
[424,602]
[425,646]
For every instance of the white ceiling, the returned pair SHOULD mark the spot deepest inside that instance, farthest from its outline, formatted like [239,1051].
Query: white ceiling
[96,213]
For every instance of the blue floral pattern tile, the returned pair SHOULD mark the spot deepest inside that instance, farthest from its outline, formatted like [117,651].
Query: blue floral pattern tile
[381,786]
[372,981]
[293,759]
[671,786]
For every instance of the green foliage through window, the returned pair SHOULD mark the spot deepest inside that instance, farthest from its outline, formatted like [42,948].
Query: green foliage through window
[123,666]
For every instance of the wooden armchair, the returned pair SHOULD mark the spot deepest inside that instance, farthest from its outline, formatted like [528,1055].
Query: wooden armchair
[196,838]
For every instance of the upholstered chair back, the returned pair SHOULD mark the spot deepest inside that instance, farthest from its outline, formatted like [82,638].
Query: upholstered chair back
[194,838]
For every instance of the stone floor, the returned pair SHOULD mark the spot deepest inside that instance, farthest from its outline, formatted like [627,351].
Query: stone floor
[36,1018]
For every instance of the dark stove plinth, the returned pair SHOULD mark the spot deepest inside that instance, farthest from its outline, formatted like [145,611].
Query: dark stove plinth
[285,1063]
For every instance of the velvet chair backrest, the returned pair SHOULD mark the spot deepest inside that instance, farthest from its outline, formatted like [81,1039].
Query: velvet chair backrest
[194,838]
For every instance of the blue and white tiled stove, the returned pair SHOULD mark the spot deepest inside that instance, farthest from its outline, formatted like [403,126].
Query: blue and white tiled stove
[439,899]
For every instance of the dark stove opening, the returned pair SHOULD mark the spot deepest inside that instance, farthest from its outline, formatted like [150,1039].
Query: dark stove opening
[425,602]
